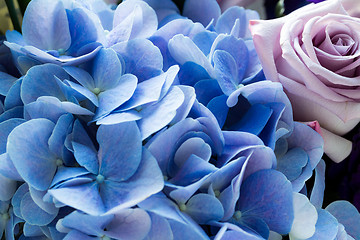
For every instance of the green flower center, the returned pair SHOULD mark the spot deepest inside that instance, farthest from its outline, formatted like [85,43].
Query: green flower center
[96,91]
[100,178]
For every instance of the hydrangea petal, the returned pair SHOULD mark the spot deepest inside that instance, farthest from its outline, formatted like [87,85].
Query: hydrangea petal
[202,11]
[129,224]
[57,138]
[141,57]
[317,193]
[183,50]
[13,98]
[7,188]
[225,70]
[160,228]
[259,199]
[326,226]
[305,217]
[146,181]
[31,156]
[160,114]
[6,81]
[33,214]
[292,163]
[347,215]
[120,163]
[204,208]
[52,29]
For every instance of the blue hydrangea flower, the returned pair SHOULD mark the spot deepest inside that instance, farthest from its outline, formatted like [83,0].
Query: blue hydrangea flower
[70,35]
[118,175]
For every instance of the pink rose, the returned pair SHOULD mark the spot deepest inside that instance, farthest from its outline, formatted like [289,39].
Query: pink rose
[315,53]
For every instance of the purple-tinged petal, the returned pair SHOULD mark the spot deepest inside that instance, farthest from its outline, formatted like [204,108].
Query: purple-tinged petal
[292,163]
[347,215]
[91,201]
[33,214]
[45,25]
[190,231]
[141,57]
[74,235]
[113,98]
[146,181]
[31,156]
[204,208]
[149,19]
[120,163]
[183,50]
[130,223]
[202,11]
[267,194]
[160,114]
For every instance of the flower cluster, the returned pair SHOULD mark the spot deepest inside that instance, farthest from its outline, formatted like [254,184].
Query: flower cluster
[137,122]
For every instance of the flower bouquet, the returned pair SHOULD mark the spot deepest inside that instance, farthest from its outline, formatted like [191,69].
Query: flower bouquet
[138,121]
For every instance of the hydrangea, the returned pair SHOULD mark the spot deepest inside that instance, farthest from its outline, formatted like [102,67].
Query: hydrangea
[137,122]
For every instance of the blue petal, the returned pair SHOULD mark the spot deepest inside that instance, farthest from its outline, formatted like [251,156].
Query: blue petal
[204,208]
[33,214]
[16,200]
[227,20]
[160,228]
[206,90]
[91,201]
[202,11]
[6,81]
[204,41]
[160,114]
[129,224]
[74,234]
[31,156]
[146,181]
[267,194]
[218,107]
[115,118]
[110,99]
[292,163]
[7,188]
[326,226]
[32,230]
[80,75]
[120,163]
[39,81]
[45,25]
[347,215]
[226,71]
[59,134]
[141,57]
[38,198]
[183,111]
[149,22]
[183,50]
[317,193]
[90,225]
[106,69]
[190,73]
[5,129]
[16,112]
[13,98]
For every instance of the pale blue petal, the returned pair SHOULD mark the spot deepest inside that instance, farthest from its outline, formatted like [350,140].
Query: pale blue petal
[202,11]
[7,188]
[183,111]
[227,20]
[75,235]
[292,163]
[38,196]
[59,134]
[32,230]
[317,193]
[33,214]
[13,98]
[183,50]
[160,114]
[106,69]
[187,231]
[115,118]
[31,156]
[39,81]
[113,98]
[68,173]
[16,200]
[5,129]
[326,226]
[80,75]
[91,201]
[347,215]
[120,163]
[6,81]
[149,18]
[204,41]
[83,91]
[226,71]
[141,57]
[147,181]
[204,208]
[52,29]
[129,224]
[160,228]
